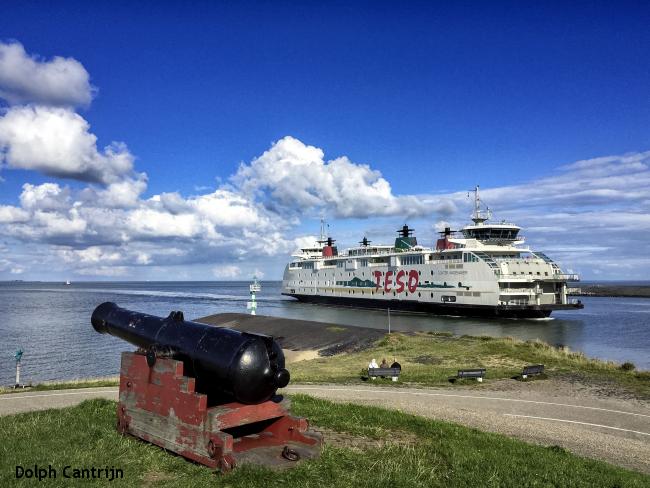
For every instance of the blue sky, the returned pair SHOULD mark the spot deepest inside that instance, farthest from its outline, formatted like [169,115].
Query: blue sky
[434,98]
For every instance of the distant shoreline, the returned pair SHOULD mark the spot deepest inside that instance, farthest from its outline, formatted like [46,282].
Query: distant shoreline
[612,290]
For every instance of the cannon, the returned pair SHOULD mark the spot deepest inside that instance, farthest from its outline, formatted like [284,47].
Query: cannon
[225,362]
[207,393]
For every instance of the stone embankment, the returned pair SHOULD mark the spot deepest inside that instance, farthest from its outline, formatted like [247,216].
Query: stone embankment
[611,291]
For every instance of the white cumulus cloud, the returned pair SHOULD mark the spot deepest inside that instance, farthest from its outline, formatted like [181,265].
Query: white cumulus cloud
[10,214]
[91,255]
[28,79]
[120,194]
[48,196]
[57,142]
[294,176]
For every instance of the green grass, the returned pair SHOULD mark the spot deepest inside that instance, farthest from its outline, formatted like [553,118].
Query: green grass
[432,358]
[82,383]
[438,454]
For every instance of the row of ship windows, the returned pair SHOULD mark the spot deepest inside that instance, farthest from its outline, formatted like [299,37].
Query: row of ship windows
[404,260]
[363,274]
[484,234]
[344,283]
[362,292]
[371,275]
[410,260]
[353,292]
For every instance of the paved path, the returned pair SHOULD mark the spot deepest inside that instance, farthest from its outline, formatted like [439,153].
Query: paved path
[617,431]
[29,401]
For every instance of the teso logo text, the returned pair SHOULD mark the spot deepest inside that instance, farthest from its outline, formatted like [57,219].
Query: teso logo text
[401,280]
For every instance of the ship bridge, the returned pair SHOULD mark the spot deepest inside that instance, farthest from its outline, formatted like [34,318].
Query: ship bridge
[502,233]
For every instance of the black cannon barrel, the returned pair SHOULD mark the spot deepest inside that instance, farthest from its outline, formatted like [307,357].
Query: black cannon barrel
[226,363]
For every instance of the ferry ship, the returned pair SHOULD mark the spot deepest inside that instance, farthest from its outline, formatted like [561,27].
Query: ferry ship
[481,270]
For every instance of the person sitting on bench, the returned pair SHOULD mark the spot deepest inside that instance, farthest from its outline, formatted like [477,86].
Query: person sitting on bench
[384,364]
[373,365]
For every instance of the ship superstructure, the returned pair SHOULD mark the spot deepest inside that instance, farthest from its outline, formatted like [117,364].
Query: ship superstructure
[481,270]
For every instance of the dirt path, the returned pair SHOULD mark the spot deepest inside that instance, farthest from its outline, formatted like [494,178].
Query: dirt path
[30,401]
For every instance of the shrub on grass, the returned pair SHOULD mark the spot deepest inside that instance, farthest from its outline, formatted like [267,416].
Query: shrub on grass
[440,333]
[628,366]
[426,359]
[643,375]
[558,449]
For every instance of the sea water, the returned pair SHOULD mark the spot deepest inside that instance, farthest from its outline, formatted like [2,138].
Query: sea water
[50,322]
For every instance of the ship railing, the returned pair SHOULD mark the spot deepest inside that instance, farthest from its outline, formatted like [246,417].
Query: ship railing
[517,291]
[567,276]
[572,277]
[529,277]
[518,260]
[366,252]
[498,240]
[516,301]
[525,277]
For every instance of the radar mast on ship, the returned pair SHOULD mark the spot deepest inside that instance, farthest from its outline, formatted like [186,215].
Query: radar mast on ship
[322,229]
[327,243]
[479,216]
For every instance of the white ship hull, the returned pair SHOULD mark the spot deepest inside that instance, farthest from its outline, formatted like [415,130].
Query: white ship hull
[450,287]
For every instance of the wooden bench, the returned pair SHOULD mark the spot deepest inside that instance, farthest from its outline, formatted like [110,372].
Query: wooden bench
[532,370]
[384,372]
[478,373]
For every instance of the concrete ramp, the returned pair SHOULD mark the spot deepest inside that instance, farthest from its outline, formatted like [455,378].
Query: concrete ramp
[300,335]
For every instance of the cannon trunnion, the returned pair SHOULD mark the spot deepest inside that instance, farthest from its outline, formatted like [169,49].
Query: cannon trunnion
[205,392]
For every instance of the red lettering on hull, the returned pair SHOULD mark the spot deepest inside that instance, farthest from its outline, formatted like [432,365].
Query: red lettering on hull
[414,279]
[377,280]
[388,281]
[403,280]
[398,281]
